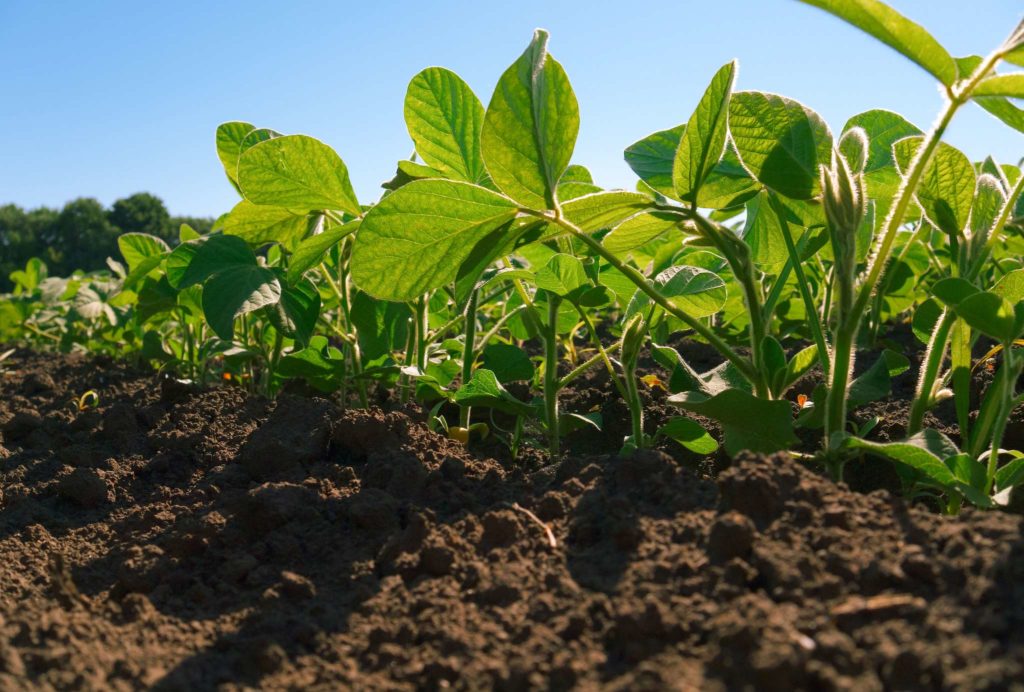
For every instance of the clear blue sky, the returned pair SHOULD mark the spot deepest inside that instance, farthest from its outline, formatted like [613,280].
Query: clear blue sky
[104,99]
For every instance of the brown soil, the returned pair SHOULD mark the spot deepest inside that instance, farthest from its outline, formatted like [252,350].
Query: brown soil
[183,539]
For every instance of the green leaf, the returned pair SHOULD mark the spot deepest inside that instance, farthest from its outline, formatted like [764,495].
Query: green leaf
[763,233]
[883,129]
[640,230]
[1008,85]
[604,209]
[1011,474]
[1011,287]
[780,141]
[577,174]
[697,292]
[296,313]
[298,173]
[748,422]
[530,127]
[382,327]
[415,239]
[260,224]
[653,158]
[926,316]
[509,363]
[485,390]
[563,275]
[728,184]
[237,291]
[197,260]
[444,118]
[990,314]
[229,146]
[703,140]
[953,290]
[946,190]
[311,251]
[896,31]
[876,382]
[925,452]
[689,434]
[1003,109]
[143,253]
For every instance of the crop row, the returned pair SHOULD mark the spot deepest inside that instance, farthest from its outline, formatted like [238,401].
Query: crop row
[491,259]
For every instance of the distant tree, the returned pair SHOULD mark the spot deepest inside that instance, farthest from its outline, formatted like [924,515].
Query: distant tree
[142,213]
[84,237]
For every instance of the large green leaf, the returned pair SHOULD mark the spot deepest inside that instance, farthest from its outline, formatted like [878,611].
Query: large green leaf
[444,118]
[484,390]
[653,158]
[235,292]
[728,185]
[896,31]
[703,140]
[259,224]
[946,190]
[990,314]
[530,127]
[747,422]
[604,209]
[780,141]
[689,434]
[883,129]
[229,146]
[296,172]
[197,260]
[417,237]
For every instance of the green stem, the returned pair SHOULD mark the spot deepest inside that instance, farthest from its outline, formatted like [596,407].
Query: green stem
[584,366]
[1010,372]
[745,366]
[636,406]
[933,357]
[801,280]
[469,352]
[422,327]
[849,325]
[551,374]
[603,354]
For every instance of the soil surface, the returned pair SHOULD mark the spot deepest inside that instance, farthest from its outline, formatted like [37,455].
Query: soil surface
[184,539]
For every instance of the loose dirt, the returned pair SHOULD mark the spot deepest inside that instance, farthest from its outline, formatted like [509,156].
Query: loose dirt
[184,539]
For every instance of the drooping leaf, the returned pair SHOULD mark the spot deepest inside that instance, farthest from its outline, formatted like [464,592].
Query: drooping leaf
[530,127]
[748,422]
[896,31]
[296,172]
[876,382]
[444,118]
[780,141]
[237,291]
[415,239]
[381,326]
[703,141]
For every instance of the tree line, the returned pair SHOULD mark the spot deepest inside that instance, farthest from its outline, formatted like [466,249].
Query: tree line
[83,234]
